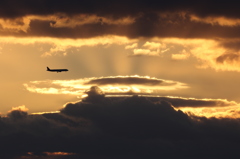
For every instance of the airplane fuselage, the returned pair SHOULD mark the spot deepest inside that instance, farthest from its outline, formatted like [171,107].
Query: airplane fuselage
[56,70]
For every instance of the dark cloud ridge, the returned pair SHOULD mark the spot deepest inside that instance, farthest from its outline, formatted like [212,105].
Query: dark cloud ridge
[124,128]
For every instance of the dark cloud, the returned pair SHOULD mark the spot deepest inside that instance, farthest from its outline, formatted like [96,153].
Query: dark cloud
[134,127]
[15,8]
[178,26]
[16,114]
[128,81]
[44,28]
[232,45]
[147,20]
[38,133]
[146,25]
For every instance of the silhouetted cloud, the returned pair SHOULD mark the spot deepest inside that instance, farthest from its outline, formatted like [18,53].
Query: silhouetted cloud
[122,128]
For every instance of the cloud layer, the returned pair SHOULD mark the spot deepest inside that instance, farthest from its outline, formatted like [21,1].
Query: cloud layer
[124,128]
[74,19]
[166,24]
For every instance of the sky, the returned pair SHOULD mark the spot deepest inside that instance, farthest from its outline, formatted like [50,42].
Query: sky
[146,79]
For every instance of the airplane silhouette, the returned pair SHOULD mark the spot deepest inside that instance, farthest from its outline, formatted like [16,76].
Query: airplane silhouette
[56,70]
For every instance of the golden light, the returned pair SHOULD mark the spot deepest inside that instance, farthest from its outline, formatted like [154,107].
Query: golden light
[50,112]
[58,153]
[217,112]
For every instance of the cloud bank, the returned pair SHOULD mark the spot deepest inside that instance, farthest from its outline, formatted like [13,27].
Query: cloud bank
[124,128]
[74,19]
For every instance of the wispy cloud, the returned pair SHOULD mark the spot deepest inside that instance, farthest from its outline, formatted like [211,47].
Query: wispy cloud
[181,56]
[147,49]
[59,46]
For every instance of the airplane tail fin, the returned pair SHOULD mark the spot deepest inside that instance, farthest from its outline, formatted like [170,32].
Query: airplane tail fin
[48,68]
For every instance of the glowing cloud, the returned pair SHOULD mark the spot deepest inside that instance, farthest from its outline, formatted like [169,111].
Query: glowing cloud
[131,46]
[109,85]
[144,52]
[147,49]
[60,20]
[58,153]
[152,45]
[217,20]
[19,108]
[210,53]
[61,45]
[217,112]
[182,56]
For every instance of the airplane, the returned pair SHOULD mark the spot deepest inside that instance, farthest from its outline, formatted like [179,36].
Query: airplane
[56,70]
